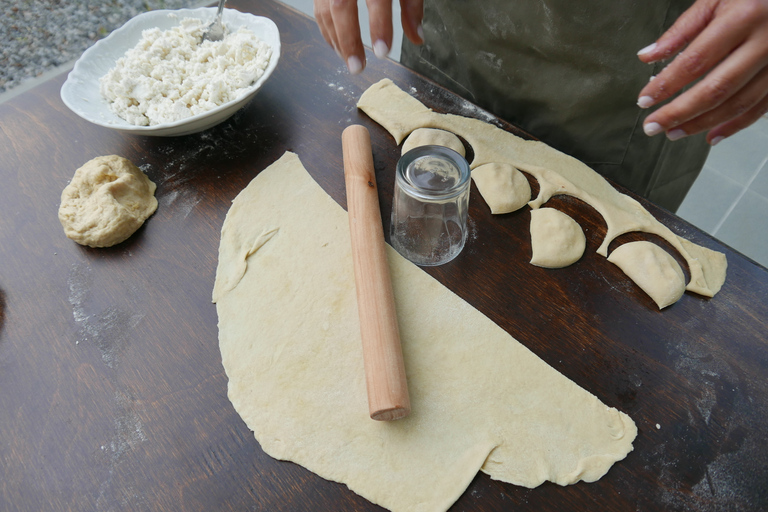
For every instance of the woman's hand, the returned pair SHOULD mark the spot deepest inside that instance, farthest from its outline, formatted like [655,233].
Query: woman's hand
[340,25]
[726,43]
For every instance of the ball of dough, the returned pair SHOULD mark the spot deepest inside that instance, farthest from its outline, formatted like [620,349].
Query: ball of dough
[433,137]
[556,239]
[503,187]
[653,269]
[107,200]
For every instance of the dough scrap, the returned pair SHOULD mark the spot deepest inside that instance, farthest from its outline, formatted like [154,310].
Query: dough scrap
[504,188]
[556,239]
[290,344]
[557,173]
[108,199]
[432,137]
[653,269]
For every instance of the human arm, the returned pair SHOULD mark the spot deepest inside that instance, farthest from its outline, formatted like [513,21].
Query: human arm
[339,23]
[726,43]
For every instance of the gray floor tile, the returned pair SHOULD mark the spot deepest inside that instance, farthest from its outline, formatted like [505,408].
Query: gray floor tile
[745,228]
[740,156]
[305,6]
[760,185]
[710,198]
[761,125]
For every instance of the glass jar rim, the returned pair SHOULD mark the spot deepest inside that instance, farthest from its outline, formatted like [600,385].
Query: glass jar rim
[439,152]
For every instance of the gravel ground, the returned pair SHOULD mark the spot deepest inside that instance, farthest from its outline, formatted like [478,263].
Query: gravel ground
[41,35]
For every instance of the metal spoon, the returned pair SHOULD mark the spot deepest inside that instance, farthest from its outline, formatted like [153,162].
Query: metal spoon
[215,31]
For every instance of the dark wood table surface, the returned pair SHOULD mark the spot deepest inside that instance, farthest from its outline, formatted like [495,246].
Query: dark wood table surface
[112,392]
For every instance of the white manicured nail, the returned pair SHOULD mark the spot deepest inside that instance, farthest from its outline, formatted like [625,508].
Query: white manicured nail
[647,49]
[380,49]
[645,101]
[354,65]
[716,140]
[652,129]
[676,134]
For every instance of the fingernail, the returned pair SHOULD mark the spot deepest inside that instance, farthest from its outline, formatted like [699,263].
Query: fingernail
[716,140]
[652,129]
[420,31]
[644,101]
[647,49]
[676,134]
[380,49]
[354,65]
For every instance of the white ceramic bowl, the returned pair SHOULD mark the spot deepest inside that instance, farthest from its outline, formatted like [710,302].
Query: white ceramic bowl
[81,90]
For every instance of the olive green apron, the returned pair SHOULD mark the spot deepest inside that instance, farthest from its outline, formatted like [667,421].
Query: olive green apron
[567,72]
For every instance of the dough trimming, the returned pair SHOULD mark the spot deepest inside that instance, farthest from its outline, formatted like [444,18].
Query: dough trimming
[557,173]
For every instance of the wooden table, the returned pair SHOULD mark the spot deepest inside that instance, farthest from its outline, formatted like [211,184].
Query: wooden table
[112,393]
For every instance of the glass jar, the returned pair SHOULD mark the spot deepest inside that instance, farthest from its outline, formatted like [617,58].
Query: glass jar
[431,200]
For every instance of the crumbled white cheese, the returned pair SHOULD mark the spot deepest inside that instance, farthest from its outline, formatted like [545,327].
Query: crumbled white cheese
[173,74]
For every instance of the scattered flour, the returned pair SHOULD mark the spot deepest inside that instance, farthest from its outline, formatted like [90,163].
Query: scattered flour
[173,74]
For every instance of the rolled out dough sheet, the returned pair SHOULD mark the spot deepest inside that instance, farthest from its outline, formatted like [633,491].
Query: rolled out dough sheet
[290,344]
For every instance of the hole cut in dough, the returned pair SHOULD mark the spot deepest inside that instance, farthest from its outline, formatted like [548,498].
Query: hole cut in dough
[504,188]
[653,269]
[556,239]
[433,137]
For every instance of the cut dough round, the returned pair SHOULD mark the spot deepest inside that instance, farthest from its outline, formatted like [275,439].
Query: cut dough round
[107,200]
[556,239]
[503,187]
[433,137]
[653,269]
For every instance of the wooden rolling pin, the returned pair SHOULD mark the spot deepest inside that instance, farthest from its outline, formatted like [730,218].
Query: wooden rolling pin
[382,355]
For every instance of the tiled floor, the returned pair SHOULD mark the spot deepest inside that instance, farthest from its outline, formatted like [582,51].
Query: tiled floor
[730,198]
